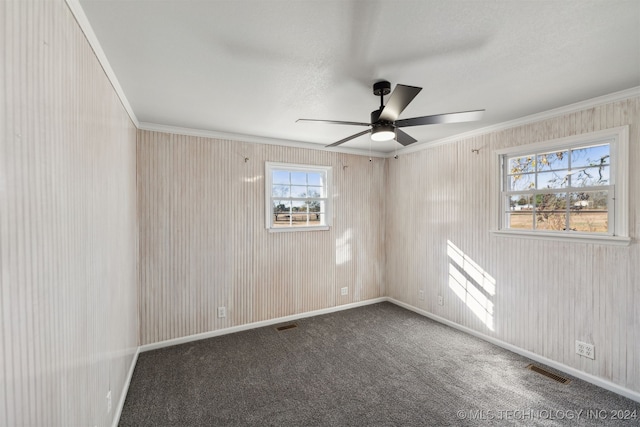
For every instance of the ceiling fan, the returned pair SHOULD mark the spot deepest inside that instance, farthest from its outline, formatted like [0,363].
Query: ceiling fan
[385,125]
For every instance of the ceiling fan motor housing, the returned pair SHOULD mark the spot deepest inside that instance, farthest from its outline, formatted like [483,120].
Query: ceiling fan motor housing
[375,119]
[375,115]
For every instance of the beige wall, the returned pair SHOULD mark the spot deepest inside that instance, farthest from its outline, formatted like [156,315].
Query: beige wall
[69,304]
[547,293]
[203,242]
[68,241]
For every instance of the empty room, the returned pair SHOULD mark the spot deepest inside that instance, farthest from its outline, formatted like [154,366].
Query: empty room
[319,213]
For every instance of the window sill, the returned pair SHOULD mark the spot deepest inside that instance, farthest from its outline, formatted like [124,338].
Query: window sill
[292,229]
[578,238]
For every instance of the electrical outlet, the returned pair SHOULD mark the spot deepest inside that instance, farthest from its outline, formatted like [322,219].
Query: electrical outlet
[109,402]
[344,291]
[586,349]
[440,300]
[222,312]
[421,295]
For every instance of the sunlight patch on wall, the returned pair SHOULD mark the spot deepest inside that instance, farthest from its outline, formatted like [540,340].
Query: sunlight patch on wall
[474,286]
[343,248]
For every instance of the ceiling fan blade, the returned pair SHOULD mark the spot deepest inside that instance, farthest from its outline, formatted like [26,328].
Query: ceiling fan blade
[401,96]
[335,122]
[464,116]
[404,138]
[349,138]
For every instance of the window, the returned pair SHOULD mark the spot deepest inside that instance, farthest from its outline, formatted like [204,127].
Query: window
[572,187]
[298,197]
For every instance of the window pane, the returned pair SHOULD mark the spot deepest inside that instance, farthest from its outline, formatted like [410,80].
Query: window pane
[592,176]
[589,202]
[551,201]
[590,156]
[553,161]
[521,182]
[522,220]
[594,222]
[557,179]
[589,212]
[522,164]
[551,211]
[520,213]
[314,205]
[520,202]
[298,206]
[280,177]
[281,212]
[315,179]
[315,191]
[298,178]
[280,191]
[300,220]
[281,206]
[298,191]
[551,220]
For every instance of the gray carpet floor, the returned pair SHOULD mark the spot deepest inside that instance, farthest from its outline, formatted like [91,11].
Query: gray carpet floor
[379,365]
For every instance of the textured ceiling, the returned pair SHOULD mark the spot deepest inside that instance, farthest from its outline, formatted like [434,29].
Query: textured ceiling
[254,67]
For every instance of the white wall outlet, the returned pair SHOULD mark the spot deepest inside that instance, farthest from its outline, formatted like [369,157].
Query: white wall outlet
[586,349]
[440,300]
[222,311]
[344,291]
[421,295]
[109,402]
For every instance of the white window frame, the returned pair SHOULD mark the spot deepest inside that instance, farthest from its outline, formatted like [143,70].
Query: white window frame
[618,234]
[292,167]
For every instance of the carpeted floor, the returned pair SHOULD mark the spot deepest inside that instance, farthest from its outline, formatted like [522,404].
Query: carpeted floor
[379,365]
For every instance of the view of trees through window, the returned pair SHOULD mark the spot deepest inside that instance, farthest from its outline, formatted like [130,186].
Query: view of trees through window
[298,198]
[564,190]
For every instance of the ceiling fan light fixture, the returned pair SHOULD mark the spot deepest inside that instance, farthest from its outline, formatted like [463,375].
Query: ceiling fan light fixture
[383,133]
[385,125]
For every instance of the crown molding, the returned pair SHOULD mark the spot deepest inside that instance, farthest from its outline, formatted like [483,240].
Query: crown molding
[154,127]
[567,109]
[90,35]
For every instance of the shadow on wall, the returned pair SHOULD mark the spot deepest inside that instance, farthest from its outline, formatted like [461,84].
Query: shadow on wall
[471,284]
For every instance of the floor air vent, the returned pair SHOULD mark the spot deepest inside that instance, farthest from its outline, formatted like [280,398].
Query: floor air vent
[546,373]
[285,327]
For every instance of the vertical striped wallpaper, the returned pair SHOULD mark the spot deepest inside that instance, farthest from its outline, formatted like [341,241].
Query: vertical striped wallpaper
[74,185]
[68,233]
[203,241]
[545,294]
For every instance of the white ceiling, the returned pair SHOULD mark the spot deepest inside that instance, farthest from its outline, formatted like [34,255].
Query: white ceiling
[254,67]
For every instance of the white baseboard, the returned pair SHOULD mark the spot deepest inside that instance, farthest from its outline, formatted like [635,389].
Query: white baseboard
[125,389]
[600,382]
[254,325]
